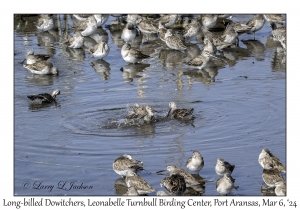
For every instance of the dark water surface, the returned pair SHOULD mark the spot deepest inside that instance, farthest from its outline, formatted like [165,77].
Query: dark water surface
[240,109]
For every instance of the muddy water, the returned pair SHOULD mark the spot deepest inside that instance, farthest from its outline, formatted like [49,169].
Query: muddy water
[240,108]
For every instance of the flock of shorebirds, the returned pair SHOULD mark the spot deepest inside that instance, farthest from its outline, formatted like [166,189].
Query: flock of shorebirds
[161,26]
[179,179]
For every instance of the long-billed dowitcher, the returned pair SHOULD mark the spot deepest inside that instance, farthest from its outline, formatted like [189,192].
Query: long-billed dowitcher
[271,175]
[41,67]
[256,23]
[215,39]
[209,20]
[132,18]
[131,55]
[280,188]
[196,162]
[225,184]
[32,58]
[274,18]
[122,163]
[44,97]
[144,113]
[129,33]
[168,20]
[202,60]
[76,41]
[175,184]
[267,157]
[192,29]
[279,33]
[88,26]
[179,113]
[45,23]
[173,41]
[223,167]
[146,26]
[140,184]
[100,50]
[189,179]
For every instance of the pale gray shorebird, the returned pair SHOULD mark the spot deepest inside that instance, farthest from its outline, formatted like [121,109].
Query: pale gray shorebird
[209,20]
[131,55]
[129,32]
[279,33]
[175,184]
[134,180]
[267,157]
[202,60]
[196,162]
[168,20]
[274,18]
[122,163]
[180,113]
[101,19]
[192,29]
[223,167]
[45,22]
[76,41]
[161,31]
[240,28]
[163,193]
[81,17]
[139,110]
[189,179]
[131,191]
[32,58]
[173,41]
[100,50]
[88,26]
[225,184]
[256,23]
[271,175]
[280,188]
[41,67]
[209,46]
[44,97]
[230,35]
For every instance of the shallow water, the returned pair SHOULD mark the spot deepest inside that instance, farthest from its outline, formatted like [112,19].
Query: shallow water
[239,108]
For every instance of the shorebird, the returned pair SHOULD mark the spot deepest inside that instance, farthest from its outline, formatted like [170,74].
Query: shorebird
[274,18]
[271,175]
[134,180]
[81,17]
[131,55]
[168,20]
[179,113]
[144,113]
[129,32]
[230,35]
[122,163]
[209,20]
[256,23]
[223,167]
[161,31]
[225,184]
[202,60]
[279,33]
[280,188]
[196,162]
[41,67]
[88,26]
[32,58]
[44,97]
[175,184]
[100,50]
[76,41]
[45,23]
[189,179]
[192,29]
[101,19]
[132,18]
[267,157]
[173,41]
[215,39]
[146,26]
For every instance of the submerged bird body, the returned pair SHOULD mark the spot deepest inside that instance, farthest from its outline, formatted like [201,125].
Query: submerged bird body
[44,97]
